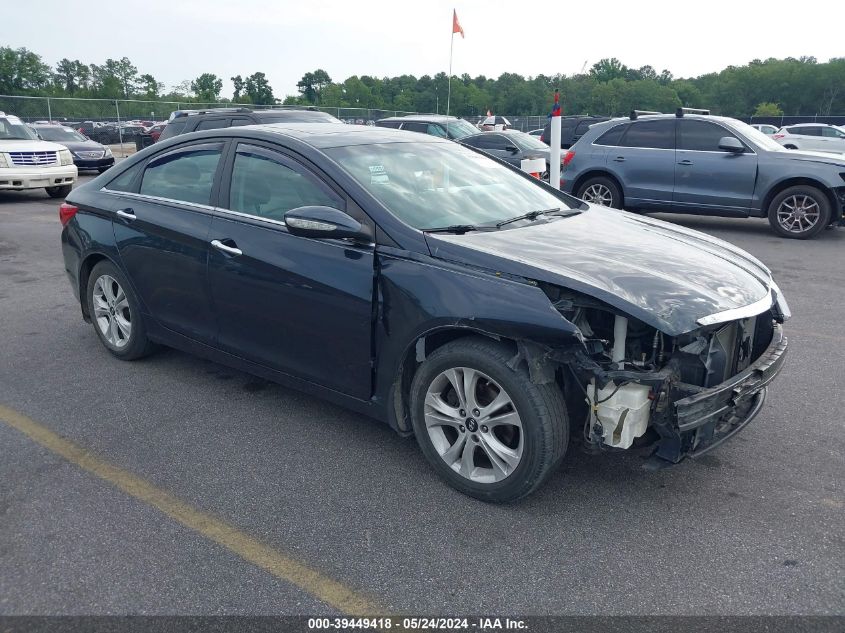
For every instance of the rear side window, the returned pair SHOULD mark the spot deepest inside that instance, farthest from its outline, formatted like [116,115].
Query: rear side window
[651,134]
[241,121]
[174,128]
[268,185]
[393,124]
[612,137]
[126,180]
[414,126]
[212,124]
[701,136]
[186,176]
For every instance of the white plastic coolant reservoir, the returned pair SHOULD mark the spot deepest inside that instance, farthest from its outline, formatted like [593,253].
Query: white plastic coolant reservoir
[623,416]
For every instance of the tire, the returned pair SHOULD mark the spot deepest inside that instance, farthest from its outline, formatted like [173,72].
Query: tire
[492,462]
[790,147]
[117,321]
[799,212]
[103,170]
[59,192]
[602,191]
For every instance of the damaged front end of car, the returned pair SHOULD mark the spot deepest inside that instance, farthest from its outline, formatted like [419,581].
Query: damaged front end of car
[684,394]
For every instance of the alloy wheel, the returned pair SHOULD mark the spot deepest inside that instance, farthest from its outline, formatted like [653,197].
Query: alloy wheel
[111,311]
[798,213]
[598,194]
[473,425]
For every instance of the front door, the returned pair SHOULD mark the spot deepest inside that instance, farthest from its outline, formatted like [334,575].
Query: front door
[708,178]
[298,305]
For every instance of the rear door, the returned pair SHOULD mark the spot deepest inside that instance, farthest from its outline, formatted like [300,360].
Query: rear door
[710,179]
[808,137]
[161,222]
[302,306]
[644,162]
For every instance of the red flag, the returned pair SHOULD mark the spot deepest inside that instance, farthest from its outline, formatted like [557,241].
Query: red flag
[456,26]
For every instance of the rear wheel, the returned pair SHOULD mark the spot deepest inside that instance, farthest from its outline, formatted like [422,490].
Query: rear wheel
[602,191]
[487,429]
[799,212]
[59,192]
[790,147]
[115,313]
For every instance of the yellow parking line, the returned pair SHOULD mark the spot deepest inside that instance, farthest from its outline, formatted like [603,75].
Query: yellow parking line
[330,591]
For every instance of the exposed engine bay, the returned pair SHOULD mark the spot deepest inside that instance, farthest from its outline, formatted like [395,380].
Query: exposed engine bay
[689,392]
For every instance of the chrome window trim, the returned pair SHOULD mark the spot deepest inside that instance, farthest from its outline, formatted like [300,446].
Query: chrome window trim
[744,312]
[250,216]
[147,197]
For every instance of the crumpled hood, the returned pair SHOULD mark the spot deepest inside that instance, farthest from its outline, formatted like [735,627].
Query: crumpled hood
[662,274]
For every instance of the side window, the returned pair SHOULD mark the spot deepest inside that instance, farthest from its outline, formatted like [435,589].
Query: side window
[186,176]
[832,132]
[701,136]
[268,185]
[612,137]
[583,126]
[474,141]
[414,126]
[393,124]
[125,181]
[651,134]
[241,121]
[436,130]
[211,124]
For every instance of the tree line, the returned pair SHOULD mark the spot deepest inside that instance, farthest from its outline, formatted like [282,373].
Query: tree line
[770,87]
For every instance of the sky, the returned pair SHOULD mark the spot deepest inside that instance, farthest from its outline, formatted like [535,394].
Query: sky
[180,39]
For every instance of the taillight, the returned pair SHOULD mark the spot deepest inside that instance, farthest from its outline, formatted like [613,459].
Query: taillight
[778,135]
[567,158]
[66,212]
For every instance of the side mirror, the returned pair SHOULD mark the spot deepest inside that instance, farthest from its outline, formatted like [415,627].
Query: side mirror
[512,149]
[319,221]
[731,144]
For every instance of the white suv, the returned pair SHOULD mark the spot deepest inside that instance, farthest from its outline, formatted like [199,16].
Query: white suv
[26,162]
[816,137]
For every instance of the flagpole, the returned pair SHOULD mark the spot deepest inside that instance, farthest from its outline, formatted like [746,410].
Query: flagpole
[449,90]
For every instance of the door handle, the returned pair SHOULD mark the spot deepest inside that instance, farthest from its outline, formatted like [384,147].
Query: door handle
[685,162]
[126,214]
[229,250]
[619,159]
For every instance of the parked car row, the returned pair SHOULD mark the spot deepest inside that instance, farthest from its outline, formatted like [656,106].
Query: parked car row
[423,283]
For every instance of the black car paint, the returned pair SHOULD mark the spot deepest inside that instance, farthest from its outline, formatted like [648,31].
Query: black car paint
[368,310]
[88,145]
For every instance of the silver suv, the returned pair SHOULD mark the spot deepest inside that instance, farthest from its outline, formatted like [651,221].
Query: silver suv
[691,162]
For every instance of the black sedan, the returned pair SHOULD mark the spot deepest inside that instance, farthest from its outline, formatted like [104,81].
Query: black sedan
[422,283]
[87,154]
[511,146]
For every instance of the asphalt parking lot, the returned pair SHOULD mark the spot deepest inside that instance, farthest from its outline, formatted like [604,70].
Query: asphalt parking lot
[197,489]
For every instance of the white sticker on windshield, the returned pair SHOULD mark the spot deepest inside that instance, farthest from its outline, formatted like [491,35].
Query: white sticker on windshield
[378,175]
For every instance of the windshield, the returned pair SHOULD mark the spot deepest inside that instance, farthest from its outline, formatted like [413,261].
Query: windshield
[433,185]
[12,128]
[460,128]
[757,136]
[526,142]
[60,134]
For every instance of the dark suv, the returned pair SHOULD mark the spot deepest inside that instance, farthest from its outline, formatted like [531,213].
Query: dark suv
[571,129]
[691,162]
[434,124]
[184,121]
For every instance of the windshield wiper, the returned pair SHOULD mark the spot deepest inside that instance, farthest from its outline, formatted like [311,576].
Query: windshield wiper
[531,215]
[455,228]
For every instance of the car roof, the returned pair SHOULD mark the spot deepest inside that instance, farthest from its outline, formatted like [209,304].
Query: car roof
[809,125]
[327,135]
[441,118]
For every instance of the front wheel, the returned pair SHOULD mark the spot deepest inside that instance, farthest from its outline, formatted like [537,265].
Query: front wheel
[59,192]
[601,191]
[487,429]
[799,212]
